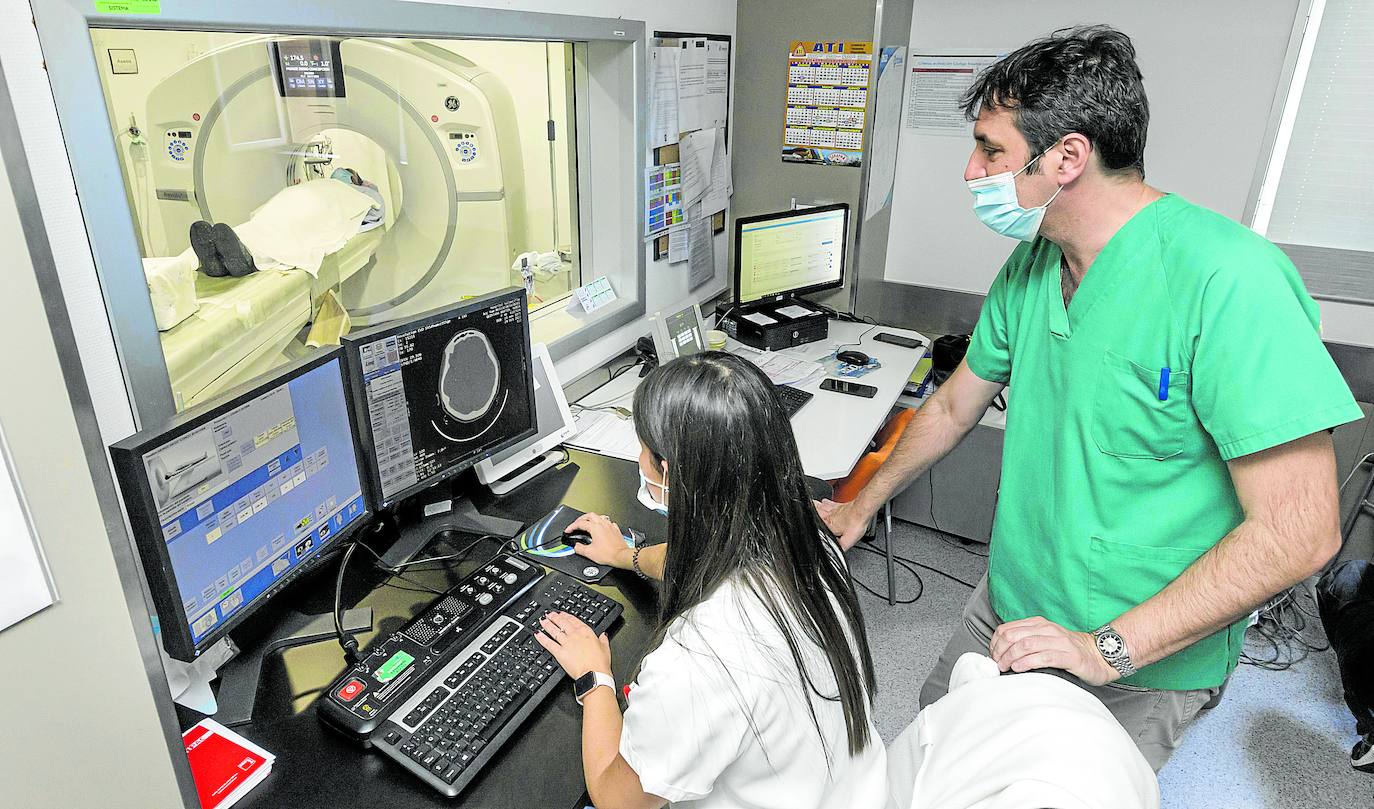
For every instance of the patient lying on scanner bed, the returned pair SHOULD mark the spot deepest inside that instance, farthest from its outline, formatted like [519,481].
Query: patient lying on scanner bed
[295,229]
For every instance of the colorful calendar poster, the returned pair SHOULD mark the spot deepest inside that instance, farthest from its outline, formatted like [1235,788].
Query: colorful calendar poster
[827,96]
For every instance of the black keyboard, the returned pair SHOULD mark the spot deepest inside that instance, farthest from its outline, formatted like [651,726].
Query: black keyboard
[460,715]
[793,399]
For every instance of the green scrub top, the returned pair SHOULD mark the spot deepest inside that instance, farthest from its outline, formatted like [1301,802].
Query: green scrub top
[1114,480]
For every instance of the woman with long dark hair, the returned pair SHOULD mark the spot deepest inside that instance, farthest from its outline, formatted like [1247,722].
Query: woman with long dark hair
[757,689]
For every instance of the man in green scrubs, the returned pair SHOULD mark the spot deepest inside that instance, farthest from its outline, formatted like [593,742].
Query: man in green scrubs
[1167,465]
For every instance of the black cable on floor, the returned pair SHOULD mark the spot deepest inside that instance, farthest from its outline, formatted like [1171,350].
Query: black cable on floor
[1282,628]
[908,564]
[920,584]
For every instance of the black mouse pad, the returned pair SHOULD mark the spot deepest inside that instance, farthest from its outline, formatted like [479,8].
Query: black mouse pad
[543,542]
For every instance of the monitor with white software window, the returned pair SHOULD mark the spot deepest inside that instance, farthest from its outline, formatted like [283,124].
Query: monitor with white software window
[790,253]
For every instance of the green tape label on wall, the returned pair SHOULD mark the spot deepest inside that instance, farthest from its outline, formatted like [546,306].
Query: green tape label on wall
[128,6]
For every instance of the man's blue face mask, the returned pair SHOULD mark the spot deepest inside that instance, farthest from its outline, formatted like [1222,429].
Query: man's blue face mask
[996,205]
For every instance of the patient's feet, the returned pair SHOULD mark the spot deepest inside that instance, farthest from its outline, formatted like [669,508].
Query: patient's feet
[235,257]
[203,243]
[1362,754]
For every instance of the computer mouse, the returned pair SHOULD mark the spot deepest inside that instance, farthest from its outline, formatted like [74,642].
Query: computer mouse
[577,536]
[853,357]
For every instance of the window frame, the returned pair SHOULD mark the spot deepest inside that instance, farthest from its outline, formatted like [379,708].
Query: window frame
[609,96]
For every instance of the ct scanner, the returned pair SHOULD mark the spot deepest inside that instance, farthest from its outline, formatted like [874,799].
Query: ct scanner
[225,135]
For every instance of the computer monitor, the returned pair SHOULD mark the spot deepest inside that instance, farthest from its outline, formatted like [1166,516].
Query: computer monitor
[677,334]
[439,392]
[555,425]
[233,500]
[790,253]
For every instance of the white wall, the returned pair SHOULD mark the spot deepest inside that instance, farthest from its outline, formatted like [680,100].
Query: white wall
[79,724]
[1210,72]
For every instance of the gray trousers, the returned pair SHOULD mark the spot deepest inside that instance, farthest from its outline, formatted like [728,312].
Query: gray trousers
[1154,718]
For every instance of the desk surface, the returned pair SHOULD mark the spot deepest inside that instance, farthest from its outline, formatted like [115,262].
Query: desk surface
[541,766]
[833,429]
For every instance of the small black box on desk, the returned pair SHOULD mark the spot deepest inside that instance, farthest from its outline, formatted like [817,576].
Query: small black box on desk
[773,326]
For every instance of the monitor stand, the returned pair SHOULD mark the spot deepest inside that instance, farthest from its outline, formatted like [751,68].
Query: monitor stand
[528,472]
[239,673]
[454,514]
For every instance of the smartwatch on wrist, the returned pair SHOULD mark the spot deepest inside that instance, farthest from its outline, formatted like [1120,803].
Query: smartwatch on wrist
[591,681]
[1113,649]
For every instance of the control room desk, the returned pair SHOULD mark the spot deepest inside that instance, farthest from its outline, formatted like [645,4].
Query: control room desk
[541,767]
[833,429]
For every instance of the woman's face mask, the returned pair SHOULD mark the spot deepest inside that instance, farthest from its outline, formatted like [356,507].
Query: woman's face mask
[646,497]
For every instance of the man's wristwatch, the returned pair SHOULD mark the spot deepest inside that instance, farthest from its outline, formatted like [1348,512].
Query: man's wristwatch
[1113,649]
[589,682]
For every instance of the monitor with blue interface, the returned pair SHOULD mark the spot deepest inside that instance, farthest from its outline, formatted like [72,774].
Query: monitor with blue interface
[234,499]
[790,253]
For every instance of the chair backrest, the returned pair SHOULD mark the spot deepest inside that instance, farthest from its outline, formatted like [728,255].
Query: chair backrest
[849,487]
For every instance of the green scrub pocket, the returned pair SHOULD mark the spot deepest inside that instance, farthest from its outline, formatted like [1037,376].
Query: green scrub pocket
[1122,576]
[1129,419]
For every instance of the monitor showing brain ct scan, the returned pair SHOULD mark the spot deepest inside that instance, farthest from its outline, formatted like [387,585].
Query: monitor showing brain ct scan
[440,392]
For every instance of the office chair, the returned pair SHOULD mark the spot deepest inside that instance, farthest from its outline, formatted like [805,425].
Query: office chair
[848,488]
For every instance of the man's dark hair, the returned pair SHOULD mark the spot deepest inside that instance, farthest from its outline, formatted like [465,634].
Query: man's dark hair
[1083,80]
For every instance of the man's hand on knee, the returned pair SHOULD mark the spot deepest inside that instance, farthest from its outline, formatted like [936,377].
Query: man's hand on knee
[1036,643]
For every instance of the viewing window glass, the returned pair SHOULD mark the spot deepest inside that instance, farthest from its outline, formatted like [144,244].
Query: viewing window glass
[286,188]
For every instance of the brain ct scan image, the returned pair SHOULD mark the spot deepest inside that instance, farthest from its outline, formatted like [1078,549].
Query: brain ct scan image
[470,378]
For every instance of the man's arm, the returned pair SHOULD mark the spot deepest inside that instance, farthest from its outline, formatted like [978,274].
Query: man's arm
[1291,529]
[938,426]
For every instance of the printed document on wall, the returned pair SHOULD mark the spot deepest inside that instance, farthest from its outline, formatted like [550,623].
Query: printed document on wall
[715,106]
[938,82]
[887,123]
[663,103]
[25,586]
[721,186]
[678,245]
[701,249]
[697,153]
[691,85]
[663,206]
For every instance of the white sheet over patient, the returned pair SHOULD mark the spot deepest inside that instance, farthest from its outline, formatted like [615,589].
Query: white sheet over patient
[172,288]
[1026,741]
[303,223]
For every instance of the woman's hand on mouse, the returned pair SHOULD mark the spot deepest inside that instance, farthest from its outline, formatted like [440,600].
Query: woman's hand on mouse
[607,545]
[574,645]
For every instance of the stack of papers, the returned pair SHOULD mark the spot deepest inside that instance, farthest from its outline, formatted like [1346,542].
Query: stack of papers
[224,765]
[782,369]
[605,433]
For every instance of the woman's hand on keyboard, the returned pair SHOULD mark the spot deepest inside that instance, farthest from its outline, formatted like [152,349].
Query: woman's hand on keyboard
[574,645]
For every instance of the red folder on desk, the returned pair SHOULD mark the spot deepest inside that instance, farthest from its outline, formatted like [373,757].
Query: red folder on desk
[225,765]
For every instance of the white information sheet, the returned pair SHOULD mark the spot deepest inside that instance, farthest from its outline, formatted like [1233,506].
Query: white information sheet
[677,245]
[714,106]
[702,249]
[691,85]
[717,195]
[887,122]
[25,587]
[938,82]
[696,152]
[663,103]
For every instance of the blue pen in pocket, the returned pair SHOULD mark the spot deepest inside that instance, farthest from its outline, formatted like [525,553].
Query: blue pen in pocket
[1164,385]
